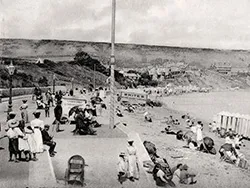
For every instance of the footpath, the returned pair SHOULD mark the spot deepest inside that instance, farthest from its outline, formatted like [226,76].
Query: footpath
[100,153]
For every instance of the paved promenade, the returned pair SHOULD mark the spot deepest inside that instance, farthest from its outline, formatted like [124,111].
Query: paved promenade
[100,153]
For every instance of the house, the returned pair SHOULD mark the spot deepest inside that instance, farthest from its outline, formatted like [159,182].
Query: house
[131,76]
[132,94]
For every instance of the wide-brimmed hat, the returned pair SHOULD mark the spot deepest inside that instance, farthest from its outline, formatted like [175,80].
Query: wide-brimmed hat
[36,112]
[184,167]
[122,153]
[130,140]
[12,113]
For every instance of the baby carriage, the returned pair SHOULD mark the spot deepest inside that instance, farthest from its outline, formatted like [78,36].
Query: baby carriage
[75,172]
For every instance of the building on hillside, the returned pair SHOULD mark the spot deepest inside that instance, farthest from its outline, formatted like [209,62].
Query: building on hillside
[131,76]
[40,61]
[223,68]
[239,70]
[132,94]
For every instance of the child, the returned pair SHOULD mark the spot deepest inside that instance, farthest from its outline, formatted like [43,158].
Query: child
[186,177]
[176,173]
[210,126]
[47,110]
[13,137]
[122,167]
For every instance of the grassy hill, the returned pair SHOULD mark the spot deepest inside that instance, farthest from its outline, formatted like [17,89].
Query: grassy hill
[127,55]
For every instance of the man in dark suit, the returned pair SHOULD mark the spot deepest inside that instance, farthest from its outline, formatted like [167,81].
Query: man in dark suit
[48,140]
[58,115]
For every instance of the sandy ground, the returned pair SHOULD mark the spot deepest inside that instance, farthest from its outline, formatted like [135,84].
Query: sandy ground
[211,172]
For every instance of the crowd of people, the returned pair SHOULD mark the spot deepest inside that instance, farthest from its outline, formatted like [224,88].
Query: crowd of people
[27,139]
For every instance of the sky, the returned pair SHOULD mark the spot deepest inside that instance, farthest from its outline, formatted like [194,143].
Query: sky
[223,24]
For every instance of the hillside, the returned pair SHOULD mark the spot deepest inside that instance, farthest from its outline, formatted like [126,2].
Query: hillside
[127,55]
[30,74]
[26,52]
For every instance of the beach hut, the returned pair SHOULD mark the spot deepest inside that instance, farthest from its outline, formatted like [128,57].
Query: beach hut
[244,125]
[248,127]
[229,121]
[233,121]
[237,122]
[224,120]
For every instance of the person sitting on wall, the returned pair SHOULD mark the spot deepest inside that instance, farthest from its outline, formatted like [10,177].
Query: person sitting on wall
[48,140]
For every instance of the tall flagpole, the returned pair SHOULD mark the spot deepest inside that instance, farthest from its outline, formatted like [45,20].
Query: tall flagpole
[112,63]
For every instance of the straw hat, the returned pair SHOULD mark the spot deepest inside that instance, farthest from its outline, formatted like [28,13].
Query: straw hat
[36,112]
[130,140]
[12,113]
[122,153]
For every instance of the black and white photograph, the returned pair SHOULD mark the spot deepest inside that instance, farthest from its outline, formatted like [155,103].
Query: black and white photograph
[124,93]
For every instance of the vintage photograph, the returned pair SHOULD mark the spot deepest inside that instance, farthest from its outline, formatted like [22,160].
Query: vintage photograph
[124,93]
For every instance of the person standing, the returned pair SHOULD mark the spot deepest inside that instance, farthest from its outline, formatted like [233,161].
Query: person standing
[199,136]
[24,112]
[29,133]
[12,123]
[58,115]
[133,167]
[37,125]
[46,109]
[122,167]
[23,145]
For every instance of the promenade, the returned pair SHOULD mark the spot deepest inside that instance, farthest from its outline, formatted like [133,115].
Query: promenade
[100,153]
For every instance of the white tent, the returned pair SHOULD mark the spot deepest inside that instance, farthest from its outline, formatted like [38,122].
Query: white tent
[40,61]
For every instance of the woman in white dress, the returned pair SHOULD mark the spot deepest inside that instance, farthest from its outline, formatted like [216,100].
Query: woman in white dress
[29,133]
[199,137]
[24,112]
[133,167]
[37,125]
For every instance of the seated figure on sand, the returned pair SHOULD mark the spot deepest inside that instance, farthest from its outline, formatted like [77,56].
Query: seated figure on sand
[147,117]
[207,146]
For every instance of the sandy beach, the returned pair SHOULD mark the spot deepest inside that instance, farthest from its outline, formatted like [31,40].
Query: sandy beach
[211,172]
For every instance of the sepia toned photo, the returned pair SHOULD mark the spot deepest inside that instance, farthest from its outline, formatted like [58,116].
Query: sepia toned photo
[124,93]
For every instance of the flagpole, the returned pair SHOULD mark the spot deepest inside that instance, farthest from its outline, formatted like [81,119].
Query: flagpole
[112,63]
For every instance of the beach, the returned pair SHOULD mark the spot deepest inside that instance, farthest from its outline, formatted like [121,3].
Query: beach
[206,105]
[211,171]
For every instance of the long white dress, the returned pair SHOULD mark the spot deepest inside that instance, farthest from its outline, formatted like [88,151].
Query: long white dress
[30,139]
[132,162]
[36,124]
[199,133]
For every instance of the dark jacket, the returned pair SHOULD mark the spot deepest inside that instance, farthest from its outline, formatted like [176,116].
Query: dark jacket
[46,136]
[58,112]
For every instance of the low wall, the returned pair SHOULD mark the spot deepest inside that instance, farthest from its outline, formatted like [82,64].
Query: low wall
[26,91]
